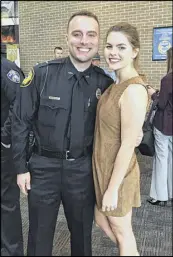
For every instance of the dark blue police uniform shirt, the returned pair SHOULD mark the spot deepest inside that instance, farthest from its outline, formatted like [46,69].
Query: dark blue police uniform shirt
[44,101]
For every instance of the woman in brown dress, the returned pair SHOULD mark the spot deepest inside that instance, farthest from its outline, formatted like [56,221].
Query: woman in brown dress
[120,116]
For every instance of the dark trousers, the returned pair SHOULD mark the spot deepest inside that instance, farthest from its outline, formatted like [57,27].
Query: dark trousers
[11,223]
[53,181]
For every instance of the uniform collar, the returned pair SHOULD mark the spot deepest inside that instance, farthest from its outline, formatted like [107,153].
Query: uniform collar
[71,71]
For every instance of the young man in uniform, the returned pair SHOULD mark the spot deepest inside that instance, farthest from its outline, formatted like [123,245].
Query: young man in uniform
[11,223]
[59,99]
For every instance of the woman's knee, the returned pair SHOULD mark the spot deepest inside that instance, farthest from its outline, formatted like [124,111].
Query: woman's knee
[121,227]
[121,233]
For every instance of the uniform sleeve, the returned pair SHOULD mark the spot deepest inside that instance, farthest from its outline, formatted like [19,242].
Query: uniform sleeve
[103,79]
[24,110]
[107,81]
[9,88]
[164,94]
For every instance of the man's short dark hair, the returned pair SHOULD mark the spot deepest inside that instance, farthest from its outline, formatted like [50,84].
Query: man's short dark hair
[58,47]
[83,13]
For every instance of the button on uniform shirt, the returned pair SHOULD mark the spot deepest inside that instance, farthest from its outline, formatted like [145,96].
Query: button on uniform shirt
[45,103]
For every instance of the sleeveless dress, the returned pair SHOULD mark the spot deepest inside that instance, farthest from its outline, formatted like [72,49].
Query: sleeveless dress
[107,142]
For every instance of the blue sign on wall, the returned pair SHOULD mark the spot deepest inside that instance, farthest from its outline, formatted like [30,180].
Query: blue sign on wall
[162,41]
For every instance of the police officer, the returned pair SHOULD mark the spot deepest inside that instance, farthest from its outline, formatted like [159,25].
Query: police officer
[11,225]
[59,99]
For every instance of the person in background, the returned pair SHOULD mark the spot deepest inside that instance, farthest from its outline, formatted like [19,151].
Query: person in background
[120,116]
[96,62]
[11,223]
[161,182]
[58,51]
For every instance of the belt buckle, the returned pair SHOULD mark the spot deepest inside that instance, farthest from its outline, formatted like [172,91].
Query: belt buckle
[66,156]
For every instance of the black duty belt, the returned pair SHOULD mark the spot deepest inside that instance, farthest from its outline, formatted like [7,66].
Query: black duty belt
[66,155]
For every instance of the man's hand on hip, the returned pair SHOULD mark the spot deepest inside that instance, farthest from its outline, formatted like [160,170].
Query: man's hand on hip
[23,181]
[139,139]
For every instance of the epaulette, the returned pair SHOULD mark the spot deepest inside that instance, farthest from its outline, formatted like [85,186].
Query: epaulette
[49,62]
[100,70]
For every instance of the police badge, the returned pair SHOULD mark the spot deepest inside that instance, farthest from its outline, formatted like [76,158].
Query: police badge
[98,93]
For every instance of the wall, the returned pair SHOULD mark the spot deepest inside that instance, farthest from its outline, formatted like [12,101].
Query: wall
[43,26]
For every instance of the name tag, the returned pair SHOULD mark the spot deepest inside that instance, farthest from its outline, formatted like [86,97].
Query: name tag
[54,97]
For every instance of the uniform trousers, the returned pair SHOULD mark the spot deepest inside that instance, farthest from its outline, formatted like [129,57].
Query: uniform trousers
[54,181]
[161,183]
[11,223]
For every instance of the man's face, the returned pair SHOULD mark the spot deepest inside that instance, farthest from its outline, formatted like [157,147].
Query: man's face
[58,53]
[83,38]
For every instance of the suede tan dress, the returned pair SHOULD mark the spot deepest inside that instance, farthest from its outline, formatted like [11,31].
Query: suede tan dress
[107,142]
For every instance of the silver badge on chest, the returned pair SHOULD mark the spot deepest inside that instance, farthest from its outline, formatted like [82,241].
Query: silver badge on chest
[98,93]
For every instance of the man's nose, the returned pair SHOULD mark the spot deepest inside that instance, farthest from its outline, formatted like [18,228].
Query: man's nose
[84,39]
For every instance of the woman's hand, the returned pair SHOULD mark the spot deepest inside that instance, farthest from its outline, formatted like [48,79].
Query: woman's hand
[151,90]
[110,200]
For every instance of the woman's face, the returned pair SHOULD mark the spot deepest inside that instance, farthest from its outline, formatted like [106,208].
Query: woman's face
[118,51]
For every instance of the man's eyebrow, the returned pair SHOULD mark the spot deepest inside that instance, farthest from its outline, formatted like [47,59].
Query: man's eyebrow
[92,31]
[74,31]
[79,31]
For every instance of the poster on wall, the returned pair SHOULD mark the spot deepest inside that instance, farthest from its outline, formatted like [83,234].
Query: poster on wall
[162,41]
[10,31]
[9,9]
[12,52]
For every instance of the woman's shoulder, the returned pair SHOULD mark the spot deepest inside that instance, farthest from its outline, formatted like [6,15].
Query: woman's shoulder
[136,93]
[137,87]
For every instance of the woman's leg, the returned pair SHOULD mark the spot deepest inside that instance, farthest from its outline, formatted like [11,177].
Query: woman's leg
[102,222]
[122,229]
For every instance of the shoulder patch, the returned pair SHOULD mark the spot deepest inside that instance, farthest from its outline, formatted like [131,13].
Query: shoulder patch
[13,76]
[27,81]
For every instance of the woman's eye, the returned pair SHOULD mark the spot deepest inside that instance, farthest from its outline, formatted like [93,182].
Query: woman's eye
[121,47]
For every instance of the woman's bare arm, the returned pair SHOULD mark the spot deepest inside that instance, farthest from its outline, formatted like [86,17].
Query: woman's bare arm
[133,105]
